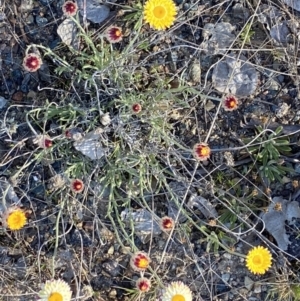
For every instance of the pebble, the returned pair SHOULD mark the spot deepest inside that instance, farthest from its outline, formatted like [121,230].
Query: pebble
[3,102]
[282,110]
[111,250]
[17,96]
[248,283]
[41,21]
[222,288]
[125,250]
[257,288]
[226,277]
[29,19]
[297,168]
[227,255]
[17,76]
[112,294]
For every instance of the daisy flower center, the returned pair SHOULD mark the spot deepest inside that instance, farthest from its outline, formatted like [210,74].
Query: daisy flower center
[178,298]
[33,62]
[55,297]
[257,260]
[118,33]
[142,263]
[16,220]
[168,224]
[77,186]
[232,103]
[159,12]
[203,151]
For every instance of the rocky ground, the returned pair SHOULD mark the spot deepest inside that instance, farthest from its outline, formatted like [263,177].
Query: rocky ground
[145,168]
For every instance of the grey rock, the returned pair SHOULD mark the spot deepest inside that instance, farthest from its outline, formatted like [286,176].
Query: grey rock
[240,11]
[248,283]
[279,32]
[226,277]
[41,21]
[295,4]
[67,31]
[29,19]
[275,220]
[90,144]
[217,37]
[112,267]
[297,168]
[257,288]
[3,102]
[234,75]
[205,206]
[7,194]
[95,12]
[267,14]
[143,221]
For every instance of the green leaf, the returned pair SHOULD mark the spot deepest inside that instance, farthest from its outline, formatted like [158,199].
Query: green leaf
[279,130]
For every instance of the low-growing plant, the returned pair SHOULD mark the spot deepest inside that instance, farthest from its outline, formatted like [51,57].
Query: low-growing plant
[267,151]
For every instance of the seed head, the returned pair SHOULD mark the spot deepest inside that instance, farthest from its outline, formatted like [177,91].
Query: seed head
[230,103]
[143,285]
[136,108]
[32,62]
[201,151]
[70,8]
[77,186]
[167,223]
[114,34]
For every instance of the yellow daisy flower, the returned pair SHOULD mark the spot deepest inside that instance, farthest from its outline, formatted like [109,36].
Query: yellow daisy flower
[201,151]
[55,290]
[139,261]
[160,14]
[258,260]
[177,291]
[14,218]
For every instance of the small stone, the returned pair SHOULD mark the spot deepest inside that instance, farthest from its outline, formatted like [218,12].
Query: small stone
[226,277]
[41,21]
[112,294]
[111,250]
[282,110]
[227,256]
[209,105]
[257,288]
[248,283]
[3,102]
[17,96]
[95,12]
[125,250]
[297,168]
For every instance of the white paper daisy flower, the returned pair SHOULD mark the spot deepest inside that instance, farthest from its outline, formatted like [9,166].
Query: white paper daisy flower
[55,290]
[177,291]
